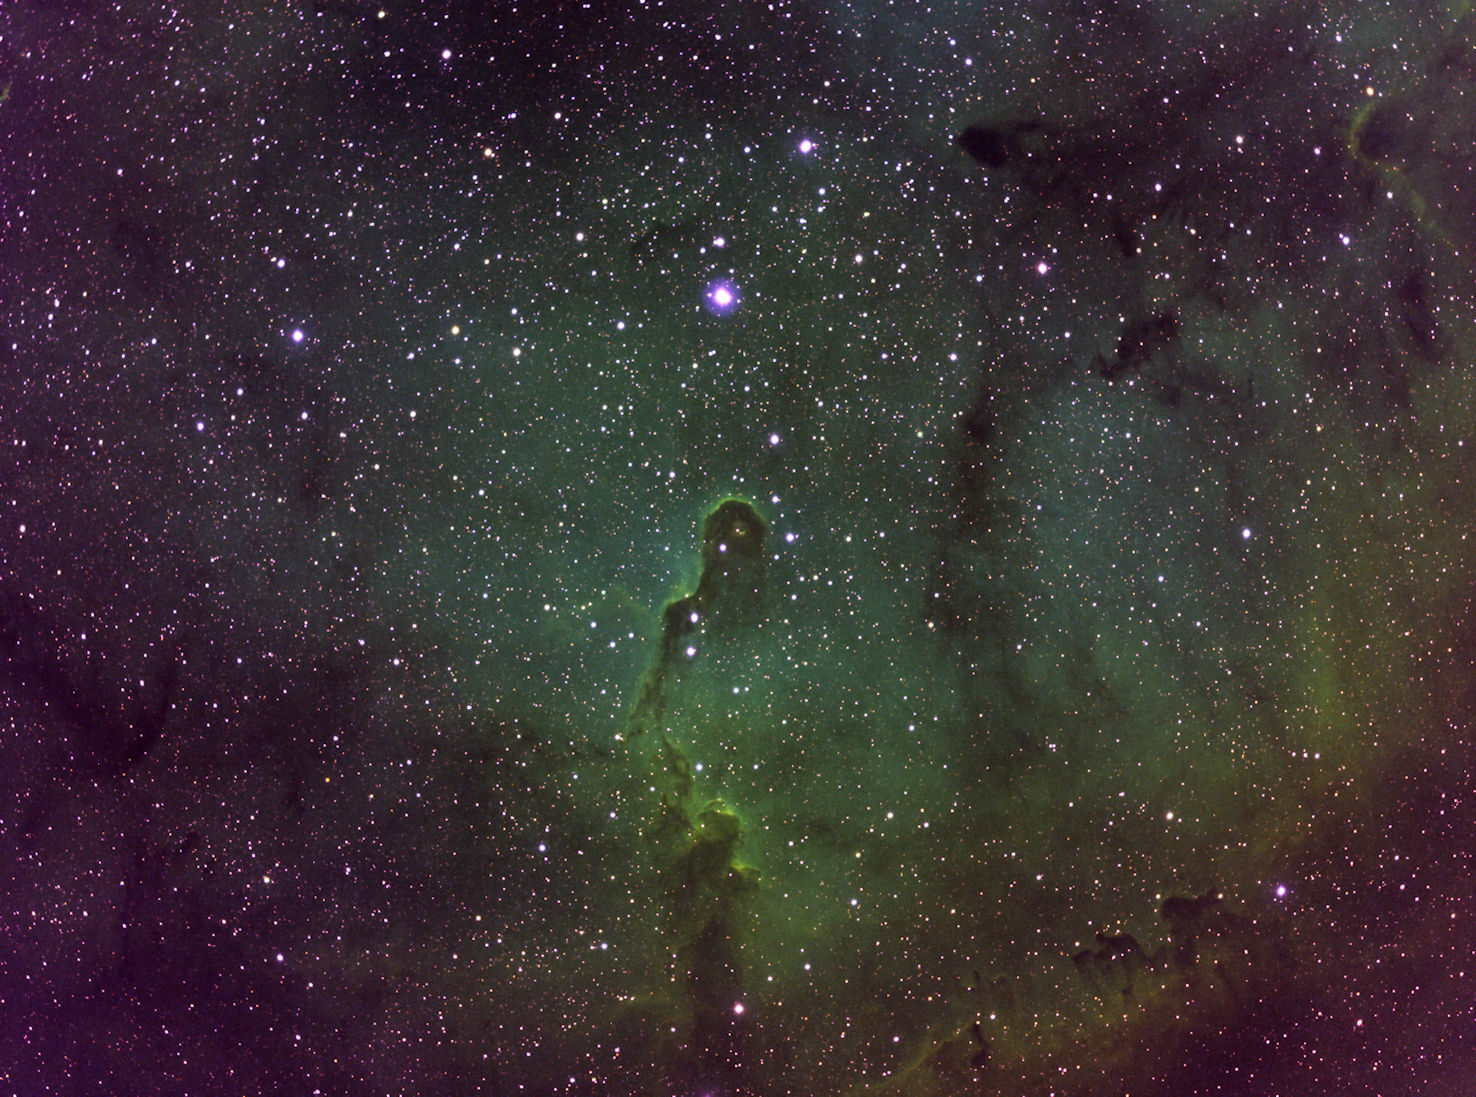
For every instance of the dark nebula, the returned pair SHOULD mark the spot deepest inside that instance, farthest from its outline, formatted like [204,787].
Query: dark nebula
[730,598]
[1067,689]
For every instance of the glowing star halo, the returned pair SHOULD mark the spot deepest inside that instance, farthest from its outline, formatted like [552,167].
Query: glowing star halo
[722,298]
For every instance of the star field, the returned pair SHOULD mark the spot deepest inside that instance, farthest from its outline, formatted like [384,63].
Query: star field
[639,547]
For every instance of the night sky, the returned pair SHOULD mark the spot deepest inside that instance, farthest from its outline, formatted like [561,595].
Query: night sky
[738,548]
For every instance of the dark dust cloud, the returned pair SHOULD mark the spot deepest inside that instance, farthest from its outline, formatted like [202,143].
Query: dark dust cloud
[669,549]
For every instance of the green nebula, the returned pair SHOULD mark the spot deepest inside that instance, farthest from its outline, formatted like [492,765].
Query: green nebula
[693,838]
[730,597]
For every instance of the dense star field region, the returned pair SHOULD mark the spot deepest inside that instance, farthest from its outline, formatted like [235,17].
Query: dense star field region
[661,548]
